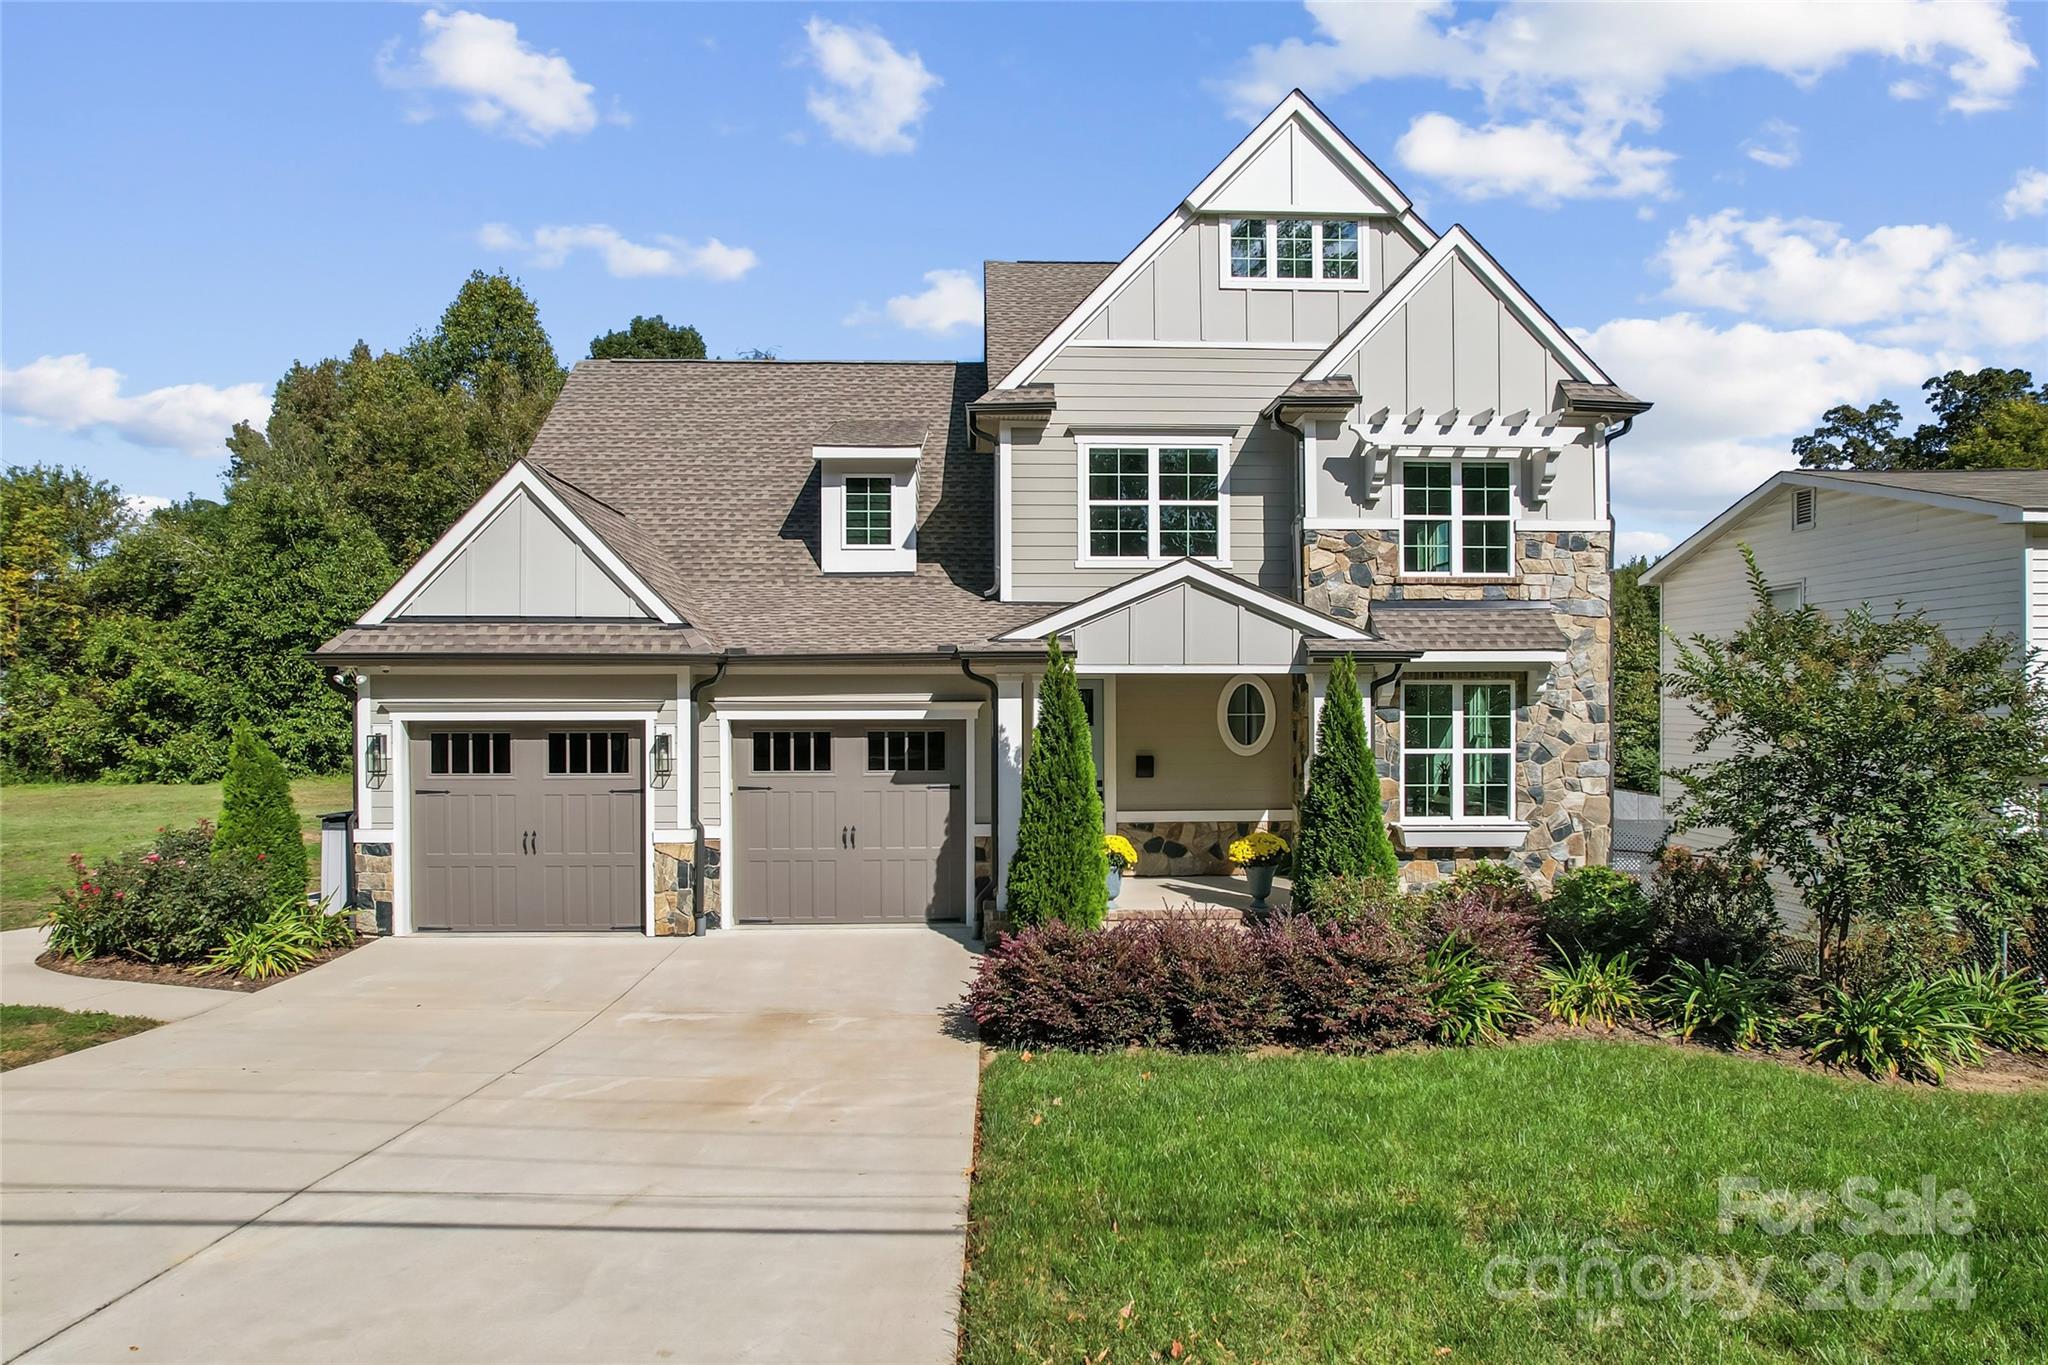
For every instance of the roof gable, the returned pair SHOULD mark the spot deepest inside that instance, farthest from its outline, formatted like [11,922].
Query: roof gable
[1204,581]
[1294,152]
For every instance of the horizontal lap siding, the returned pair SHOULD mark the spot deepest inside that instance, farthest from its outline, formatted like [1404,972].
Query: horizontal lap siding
[1174,720]
[1134,390]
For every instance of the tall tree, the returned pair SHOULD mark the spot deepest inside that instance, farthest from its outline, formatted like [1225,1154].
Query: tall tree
[1876,763]
[1059,870]
[1636,660]
[55,525]
[649,339]
[1992,419]
[1343,830]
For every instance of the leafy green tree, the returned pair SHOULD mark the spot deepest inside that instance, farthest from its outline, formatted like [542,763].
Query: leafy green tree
[649,339]
[1870,759]
[55,525]
[257,818]
[1992,419]
[1636,660]
[1059,870]
[1343,829]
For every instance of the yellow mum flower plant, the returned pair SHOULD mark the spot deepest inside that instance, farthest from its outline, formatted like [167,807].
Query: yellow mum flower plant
[1260,848]
[1122,856]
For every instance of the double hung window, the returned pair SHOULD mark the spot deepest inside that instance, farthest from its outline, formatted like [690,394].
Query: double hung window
[1457,750]
[1457,516]
[1146,501]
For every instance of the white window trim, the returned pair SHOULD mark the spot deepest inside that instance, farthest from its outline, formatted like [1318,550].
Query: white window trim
[1458,517]
[1795,586]
[1457,817]
[1153,443]
[1274,281]
[1223,714]
[835,555]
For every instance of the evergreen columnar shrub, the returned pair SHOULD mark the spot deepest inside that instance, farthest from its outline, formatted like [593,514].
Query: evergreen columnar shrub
[257,818]
[1059,870]
[1342,831]
[175,901]
[1709,909]
[1596,910]
[1503,941]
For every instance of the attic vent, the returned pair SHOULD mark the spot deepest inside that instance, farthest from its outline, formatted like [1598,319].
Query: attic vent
[1802,508]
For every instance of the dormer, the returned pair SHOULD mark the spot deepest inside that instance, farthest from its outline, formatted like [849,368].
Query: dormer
[867,509]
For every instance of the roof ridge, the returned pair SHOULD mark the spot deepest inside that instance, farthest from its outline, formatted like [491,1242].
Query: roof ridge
[780,364]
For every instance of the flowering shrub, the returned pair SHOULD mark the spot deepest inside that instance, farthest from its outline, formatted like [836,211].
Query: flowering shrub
[175,901]
[1122,856]
[1260,848]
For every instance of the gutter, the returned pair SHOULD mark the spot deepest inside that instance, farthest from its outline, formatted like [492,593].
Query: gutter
[689,775]
[995,786]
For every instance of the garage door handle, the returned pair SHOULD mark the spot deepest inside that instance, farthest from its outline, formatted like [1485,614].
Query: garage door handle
[942,786]
[625,791]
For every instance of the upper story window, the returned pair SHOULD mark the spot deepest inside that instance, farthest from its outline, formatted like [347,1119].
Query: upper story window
[1145,501]
[868,510]
[1457,751]
[1457,516]
[1287,250]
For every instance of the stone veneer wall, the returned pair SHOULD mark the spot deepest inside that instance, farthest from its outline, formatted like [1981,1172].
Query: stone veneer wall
[374,881]
[1192,848]
[674,903]
[1564,747]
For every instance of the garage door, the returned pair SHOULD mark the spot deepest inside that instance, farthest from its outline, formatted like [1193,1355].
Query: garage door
[849,824]
[527,827]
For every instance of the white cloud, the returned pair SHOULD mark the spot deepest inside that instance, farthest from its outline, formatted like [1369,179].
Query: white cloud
[141,505]
[1909,90]
[550,247]
[2028,197]
[1776,145]
[502,84]
[1648,544]
[873,96]
[1538,161]
[1570,81]
[951,299]
[1918,283]
[1729,400]
[73,394]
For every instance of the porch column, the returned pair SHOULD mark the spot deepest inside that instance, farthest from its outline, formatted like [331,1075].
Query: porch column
[1009,778]
[1318,684]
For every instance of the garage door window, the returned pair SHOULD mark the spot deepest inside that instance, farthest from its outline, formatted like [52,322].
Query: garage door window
[469,753]
[576,752]
[906,751]
[792,751]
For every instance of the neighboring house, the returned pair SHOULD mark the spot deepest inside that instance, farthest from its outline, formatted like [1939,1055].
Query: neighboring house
[763,637]
[1969,547]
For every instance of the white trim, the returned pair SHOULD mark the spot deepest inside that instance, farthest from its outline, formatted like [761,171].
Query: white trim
[1154,817]
[714,832]
[1185,670]
[1350,524]
[868,454]
[753,709]
[1109,763]
[1458,751]
[404,716]
[1363,282]
[1295,105]
[1457,516]
[1151,444]
[1106,343]
[728,859]
[1182,571]
[1819,479]
[1461,244]
[839,556]
[1005,508]
[1223,697]
[519,478]
[1420,834]
[1438,657]
[1007,782]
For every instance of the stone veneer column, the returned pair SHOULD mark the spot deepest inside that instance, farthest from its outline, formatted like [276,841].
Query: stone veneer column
[1564,761]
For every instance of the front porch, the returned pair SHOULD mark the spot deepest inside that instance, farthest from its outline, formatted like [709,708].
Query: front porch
[1208,897]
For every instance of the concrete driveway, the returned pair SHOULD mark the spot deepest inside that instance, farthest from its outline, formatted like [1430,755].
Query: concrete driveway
[749,1147]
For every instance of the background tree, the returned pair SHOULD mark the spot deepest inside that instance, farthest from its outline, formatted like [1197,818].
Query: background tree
[257,818]
[649,339]
[1059,870]
[1873,761]
[55,525]
[1993,419]
[1636,660]
[1343,829]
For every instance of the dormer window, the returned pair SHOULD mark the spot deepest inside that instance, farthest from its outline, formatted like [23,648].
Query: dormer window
[868,517]
[867,493]
[1294,251]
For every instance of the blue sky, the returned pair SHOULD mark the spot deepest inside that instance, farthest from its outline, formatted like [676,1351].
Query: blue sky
[1749,212]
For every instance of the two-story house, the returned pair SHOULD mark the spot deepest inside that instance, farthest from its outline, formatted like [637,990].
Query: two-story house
[762,637]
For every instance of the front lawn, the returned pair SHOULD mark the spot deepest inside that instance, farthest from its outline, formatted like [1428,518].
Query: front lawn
[35,1033]
[47,822]
[1281,1208]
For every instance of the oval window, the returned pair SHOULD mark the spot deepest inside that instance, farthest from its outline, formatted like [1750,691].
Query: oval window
[1246,715]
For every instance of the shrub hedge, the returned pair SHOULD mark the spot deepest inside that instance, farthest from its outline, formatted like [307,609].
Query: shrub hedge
[175,901]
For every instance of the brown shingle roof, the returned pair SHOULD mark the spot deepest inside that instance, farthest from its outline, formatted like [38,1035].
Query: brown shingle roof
[628,540]
[2026,489]
[529,639]
[1466,626]
[711,461]
[1022,301]
[873,432]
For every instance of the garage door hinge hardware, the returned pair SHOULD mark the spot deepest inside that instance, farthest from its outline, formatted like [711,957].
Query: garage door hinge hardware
[430,791]
[744,788]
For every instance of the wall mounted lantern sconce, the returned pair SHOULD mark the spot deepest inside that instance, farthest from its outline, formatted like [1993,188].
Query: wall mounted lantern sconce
[376,758]
[661,761]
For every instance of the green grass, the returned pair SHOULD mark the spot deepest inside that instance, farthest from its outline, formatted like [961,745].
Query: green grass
[1308,1209]
[35,1033]
[43,824]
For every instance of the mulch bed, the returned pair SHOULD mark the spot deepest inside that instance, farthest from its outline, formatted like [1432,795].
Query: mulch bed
[170,974]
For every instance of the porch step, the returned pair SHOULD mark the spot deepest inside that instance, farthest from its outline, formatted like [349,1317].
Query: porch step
[1218,914]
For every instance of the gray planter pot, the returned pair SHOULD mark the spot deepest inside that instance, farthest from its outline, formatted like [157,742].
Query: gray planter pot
[1260,879]
[1116,882]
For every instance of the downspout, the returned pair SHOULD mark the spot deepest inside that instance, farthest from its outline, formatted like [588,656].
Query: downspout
[355,784]
[690,774]
[995,787]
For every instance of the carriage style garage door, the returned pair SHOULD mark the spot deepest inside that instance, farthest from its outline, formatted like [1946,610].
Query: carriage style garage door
[525,827]
[850,823]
